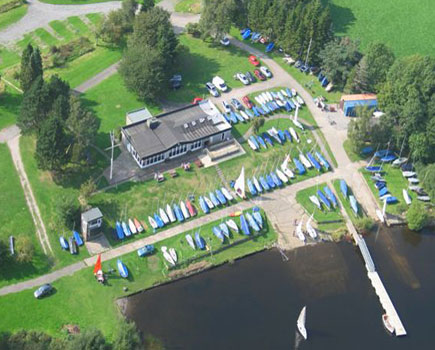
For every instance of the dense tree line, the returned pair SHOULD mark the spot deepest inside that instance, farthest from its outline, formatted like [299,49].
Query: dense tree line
[151,50]
[127,338]
[62,126]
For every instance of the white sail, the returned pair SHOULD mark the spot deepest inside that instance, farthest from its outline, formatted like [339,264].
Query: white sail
[315,201]
[310,229]
[189,240]
[239,185]
[295,119]
[299,232]
[281,176]
[285,169]
[301,322]
[294,134]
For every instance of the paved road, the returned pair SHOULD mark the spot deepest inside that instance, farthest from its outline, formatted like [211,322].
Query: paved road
[40,14]
[95,80]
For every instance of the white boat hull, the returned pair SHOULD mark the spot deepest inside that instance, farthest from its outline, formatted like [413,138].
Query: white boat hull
[315,201]
[170,213]
[406,197]
[301,323]
[164,217]
[132,226]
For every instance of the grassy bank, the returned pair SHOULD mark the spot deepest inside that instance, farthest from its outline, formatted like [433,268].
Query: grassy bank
[320,216]
[16,221]
[79,299]
[10,101]
[395,184]
[346,203]
[374,20]
[12,16]
[354,157]
[188,6]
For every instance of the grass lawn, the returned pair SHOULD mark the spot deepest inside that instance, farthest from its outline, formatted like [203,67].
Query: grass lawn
[87,66]
[78,25]
[374,20]
[320,216]
[354,157]
[47,193]
[345,202]
[10,101]
[74,2]
[201,62]
[110,100]
[16,221]
[266,160]
[12,16]
[395,184]
[8,58]
[61,30]
[94,18]
[46,37]
[309,82]
[188,6]
[80,300]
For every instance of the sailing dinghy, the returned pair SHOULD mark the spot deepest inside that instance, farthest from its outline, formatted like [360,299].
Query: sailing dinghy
[132,226]
[170,213]
[232,225]
[163,216]
[406,196]
[315,201]
[299,232]
[184,210]
[189,240]
[310,229]
[239,185]
[301,322]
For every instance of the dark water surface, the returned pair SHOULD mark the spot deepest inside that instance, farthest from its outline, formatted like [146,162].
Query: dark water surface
[254,303]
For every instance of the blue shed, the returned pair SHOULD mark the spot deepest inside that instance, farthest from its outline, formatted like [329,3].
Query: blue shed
[348,103]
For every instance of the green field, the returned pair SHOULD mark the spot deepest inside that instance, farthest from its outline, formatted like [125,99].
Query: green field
[80,300]
[12,16]
[94,18]
[202,62]
[10,102]
[78,25]
[188,6]
[45,37]
[395,184]
[111,111]
[16,221]
[61,30]
[320,216]
[406,26]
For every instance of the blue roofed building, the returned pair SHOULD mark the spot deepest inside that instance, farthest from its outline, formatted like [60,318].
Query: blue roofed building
[349,103]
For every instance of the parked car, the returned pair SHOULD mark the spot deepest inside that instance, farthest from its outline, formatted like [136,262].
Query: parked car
[236,104]
[42,291]
[266,71]
[212,89]
[304,68]
[298,63]
[227,107]
[250,77]
[175,81]
[242,77]
[314,70]
[253,60]
[248,103]
[225,41]
[220,83]
[259,75]
[196,100]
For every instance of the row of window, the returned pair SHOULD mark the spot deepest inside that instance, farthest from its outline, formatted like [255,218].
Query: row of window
[178,150]
[152,160]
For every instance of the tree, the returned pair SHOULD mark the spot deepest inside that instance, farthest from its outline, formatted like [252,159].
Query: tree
[408,99]
[128,338]
[88,340]
[30,340]
[427,178]
[31,67]
[359,129]
[33,107]
[216,18]
[83,125]
[147,5]
[154,30]
[338,59]
[143,70]
[24,249]
[416,216]
[257,124]
[67,210]
[129,8]
[372,70]
[113,28]
[51,145]
[4,254]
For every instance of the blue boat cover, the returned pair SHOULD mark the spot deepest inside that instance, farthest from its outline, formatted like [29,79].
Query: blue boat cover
[323,160]
[255,110]
[343,188]
[288,135]
[218,233]
[246,34]
[299,166]
[77,238]
[199,241]
[324,199]
[383,191]
[148,249]
[391,200]
[314,161]
[289,93]
[220,196]
[373,169]
[270,47]
[262,112]
[254,141]
[287,106]
[275,179]
[233,117]
[252,222]
[239,117]
[264,183]
[251,187]
[270,181]
[249,113]
[178,213]
[367,150]
[119,231]
[382,153]
[261,141]
[203,205]
[380,184]
[325,82]
[265,108]
[122,269]
[214,199]
[330,195]
[267,138]
[291,103]
[244,225]
[281,135]
[388,158]
[63,242]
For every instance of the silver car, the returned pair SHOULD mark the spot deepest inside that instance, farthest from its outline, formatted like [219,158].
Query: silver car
[212,89]
[227,107]
[243,78]
[42,291]
[266,71]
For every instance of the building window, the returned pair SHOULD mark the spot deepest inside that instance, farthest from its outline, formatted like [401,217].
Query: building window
[222,136]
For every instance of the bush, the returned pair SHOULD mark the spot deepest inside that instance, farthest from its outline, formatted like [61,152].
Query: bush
[67,211]
[70,51]
[10,5]
[24,249]
[364,225]
[193,29]
[416,216]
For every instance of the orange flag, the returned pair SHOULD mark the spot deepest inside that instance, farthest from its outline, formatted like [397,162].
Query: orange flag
[97,265]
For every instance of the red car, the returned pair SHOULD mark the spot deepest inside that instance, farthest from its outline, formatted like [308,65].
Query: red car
[259,75]
[253,60]
[248,103]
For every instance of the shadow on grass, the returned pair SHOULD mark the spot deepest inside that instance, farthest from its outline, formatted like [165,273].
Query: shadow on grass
[343,17]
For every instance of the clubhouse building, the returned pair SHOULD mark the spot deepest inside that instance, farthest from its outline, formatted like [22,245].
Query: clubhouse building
[153,140]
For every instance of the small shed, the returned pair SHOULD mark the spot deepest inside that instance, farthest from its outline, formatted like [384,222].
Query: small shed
[92,222]
[348,103]
[137,115]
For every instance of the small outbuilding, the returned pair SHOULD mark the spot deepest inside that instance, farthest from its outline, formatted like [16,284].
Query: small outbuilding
[92,222]
[348,103]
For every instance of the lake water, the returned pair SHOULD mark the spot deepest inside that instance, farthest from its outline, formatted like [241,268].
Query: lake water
[254,303]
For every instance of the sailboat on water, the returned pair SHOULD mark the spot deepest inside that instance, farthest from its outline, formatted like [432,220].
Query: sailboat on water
[239,185]
[301,323]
